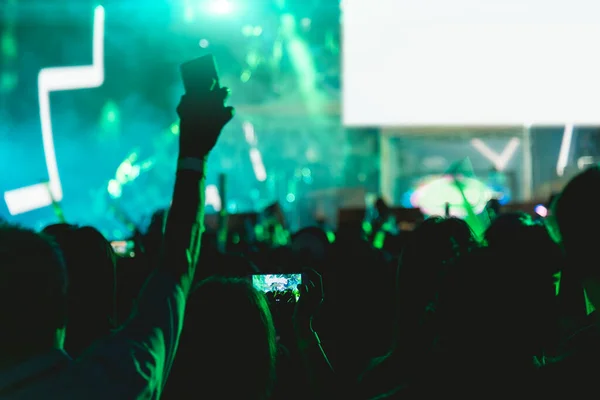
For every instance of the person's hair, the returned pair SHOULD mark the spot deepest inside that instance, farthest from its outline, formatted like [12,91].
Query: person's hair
[33,285]
[528,257]
[575,221]
[494,205]
[429,253]
[228,342]
[428,256]
[507,227]
[310,247]
[91,268]
[501,298]
[485,310]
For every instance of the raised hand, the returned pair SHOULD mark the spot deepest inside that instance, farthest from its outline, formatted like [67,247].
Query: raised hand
[319,372]
[311,298]
[202,118]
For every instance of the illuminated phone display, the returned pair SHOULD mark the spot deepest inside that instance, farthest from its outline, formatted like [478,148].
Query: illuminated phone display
[124,248]
[277,283]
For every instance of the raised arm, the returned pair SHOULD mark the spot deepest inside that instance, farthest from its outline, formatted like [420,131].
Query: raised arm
[138,358]
[202,120]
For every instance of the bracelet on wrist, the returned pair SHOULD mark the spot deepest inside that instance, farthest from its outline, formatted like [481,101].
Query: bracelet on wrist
[191,164]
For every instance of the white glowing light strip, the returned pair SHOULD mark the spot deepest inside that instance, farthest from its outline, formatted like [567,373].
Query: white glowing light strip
[565,149]
[249,133]
[212,197]
[27,198]
[52,80]
[257,165]
[501,160]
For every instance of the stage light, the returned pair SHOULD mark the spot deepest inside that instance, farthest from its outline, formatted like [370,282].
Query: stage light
[246,75]
[249,133]
[257,165]
[8,81]
[213,198]
[114,189]
[584,162]
[541,210]
[434,192]
[247,30]
[565,150]
[110,113]
[188,14]
[221,7]
[288,24]
[311,155]
[252,59]
[9,45]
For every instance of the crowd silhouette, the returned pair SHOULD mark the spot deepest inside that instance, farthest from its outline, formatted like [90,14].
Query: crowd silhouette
[436,311]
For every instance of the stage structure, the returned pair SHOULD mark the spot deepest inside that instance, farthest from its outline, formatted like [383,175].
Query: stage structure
[501,158]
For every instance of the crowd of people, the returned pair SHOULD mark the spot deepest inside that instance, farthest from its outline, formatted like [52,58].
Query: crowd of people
[436,311]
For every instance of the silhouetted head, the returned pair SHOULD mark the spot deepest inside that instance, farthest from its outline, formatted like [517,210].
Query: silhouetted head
[518,233]
[429,254]
[33,284]
[506,226]
[228,347]
[573,217]
[91,268]
[576,216]
[528,258]
[437,240]
[310,246]
[493,208]
[504,294]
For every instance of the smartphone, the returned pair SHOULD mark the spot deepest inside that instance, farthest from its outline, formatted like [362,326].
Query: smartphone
[277,283]
[124,248]
[200,75]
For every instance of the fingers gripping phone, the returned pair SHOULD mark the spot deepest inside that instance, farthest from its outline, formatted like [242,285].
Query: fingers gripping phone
[200,75]
[277,283]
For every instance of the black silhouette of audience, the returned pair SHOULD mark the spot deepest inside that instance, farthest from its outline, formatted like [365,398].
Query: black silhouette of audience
[436,311]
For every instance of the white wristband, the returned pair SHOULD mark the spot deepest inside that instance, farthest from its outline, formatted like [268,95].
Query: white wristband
[191,164]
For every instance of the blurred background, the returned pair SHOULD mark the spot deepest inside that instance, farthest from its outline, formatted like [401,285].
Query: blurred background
[116,143]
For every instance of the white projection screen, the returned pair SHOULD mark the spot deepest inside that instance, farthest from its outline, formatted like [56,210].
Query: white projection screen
[471,62]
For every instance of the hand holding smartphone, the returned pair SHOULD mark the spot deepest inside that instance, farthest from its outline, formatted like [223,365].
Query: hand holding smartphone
[200,75]
[202,109]
[278,283]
